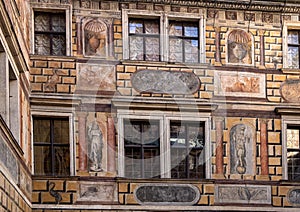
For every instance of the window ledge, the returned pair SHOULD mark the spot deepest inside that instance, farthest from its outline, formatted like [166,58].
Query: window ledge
[290,71]
[52,58]
[164,64]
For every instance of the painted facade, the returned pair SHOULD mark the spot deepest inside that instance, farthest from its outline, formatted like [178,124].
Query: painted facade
[149,105]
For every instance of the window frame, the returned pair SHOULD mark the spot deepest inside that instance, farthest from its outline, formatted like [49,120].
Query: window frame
[37,7]
[286,122]
[164,18]
[288,26]
[71,137]
[164,135]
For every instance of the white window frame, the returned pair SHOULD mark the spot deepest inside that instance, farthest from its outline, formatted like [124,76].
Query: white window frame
[67,9]
[164,36]
[70,116]
[288,25]
[164,119]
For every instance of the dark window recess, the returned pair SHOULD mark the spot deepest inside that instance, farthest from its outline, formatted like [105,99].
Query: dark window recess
[293,49]
[51,146]
[50,33]
[142,149]
[187,150]
[144,41]
[293,152]
[183,42]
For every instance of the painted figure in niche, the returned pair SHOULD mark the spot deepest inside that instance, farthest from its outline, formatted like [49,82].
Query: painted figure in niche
[239,139]
[95,38]
[95,139]
[239,45]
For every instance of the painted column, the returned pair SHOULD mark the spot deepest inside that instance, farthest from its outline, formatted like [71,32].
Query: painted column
[262,47]
[111,145]
[217,43]
[79,37]
[219,145]
[82,149]
[264,147]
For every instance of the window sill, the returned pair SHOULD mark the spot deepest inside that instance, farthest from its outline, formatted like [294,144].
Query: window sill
[290,71]
[52,58]
[164,64]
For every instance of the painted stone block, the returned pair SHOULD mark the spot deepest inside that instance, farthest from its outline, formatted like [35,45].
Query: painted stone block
[243,194]
[167,194]
[96,77]
[170,82]
[240,84]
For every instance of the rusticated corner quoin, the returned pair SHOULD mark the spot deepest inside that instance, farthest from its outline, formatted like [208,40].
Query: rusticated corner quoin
[170,82]
[289,90]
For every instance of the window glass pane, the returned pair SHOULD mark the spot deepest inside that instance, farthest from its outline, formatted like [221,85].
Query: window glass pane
[142,148]
[191,51]
[294,165]
[136,48]
[176,51]
[152,49]
[190,30]
[151,27]
[293,138]
[61,131]
[61,161]
[41,22]
[41,130]
[175,29]
[136,26]
[42,44]
[293,37]
[42,160]
[58,23]
[293,57]
[59,45]
[187,149]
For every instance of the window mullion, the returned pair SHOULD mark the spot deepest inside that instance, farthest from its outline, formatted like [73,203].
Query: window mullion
[52,146]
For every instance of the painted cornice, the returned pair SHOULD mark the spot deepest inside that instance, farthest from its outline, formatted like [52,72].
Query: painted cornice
[282,6]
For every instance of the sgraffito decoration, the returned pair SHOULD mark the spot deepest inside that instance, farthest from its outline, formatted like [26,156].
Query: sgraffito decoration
[167,194]
[239,47]
[170,82]
[293,196]
[241,149]
[243,194]
[289,90]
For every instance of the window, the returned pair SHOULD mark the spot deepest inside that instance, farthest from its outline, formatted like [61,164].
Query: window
[142,147]
[169,37]
[183,42]
[187,145]
[293,152]
[293,49]
[51,143]
[50,33]
[144,40]
[9,98]
[163,147]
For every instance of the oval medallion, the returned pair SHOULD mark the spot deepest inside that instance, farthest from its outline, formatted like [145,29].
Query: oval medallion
[167,194]
[168,82]
[289,90]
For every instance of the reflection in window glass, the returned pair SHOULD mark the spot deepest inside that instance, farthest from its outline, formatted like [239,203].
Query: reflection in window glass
[187,149]
[183,42]
[51,146]
[293,152]
[293,49]
[142,149]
